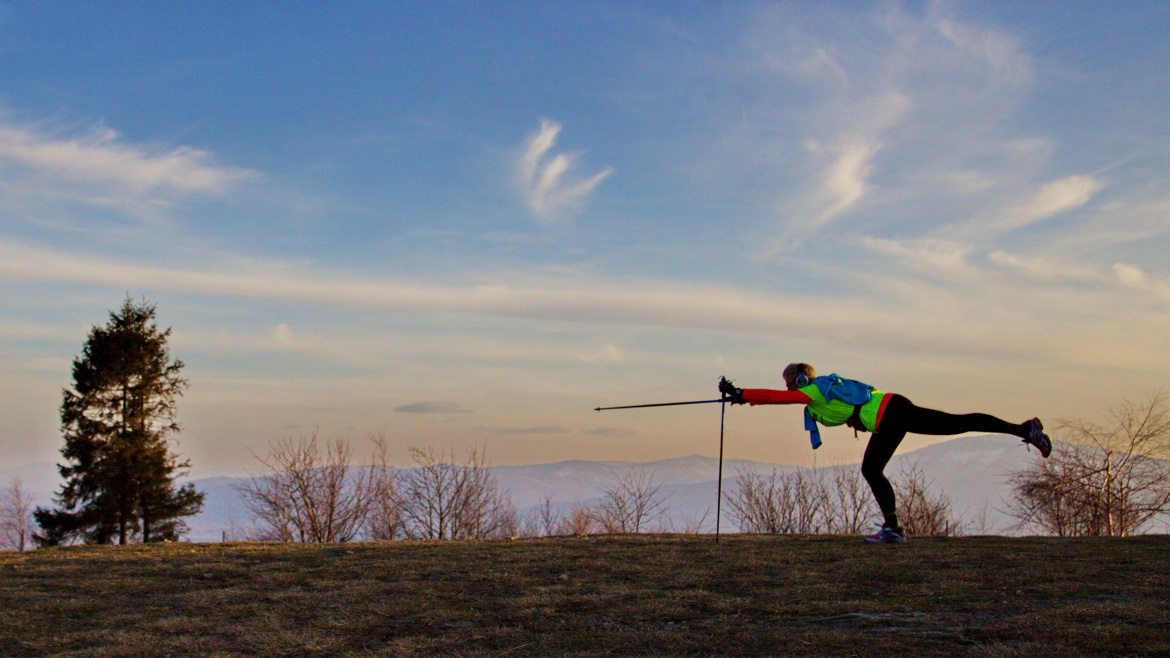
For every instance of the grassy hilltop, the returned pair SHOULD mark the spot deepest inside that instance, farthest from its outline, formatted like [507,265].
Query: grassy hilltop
[630,595]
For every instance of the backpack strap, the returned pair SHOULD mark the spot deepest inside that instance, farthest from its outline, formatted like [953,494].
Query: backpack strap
[814,432]
[855,420]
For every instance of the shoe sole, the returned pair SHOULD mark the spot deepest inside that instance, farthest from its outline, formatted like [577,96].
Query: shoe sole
[873,542]
[1039,439]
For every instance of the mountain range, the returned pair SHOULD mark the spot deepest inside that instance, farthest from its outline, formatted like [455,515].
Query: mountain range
[972,472]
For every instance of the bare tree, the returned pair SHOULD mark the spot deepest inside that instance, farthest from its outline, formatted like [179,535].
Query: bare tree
[384,519]
[484,511]
[1057,495]
[16,520]
[310,494]
[849,504]
[429,496]
[580,520]
[808,495]
[691,525]
[440,499]
[542,521]
[1108,480]
[631,503]
[834,500]
[922,512]
[759,503]
[507,522]
[790,502]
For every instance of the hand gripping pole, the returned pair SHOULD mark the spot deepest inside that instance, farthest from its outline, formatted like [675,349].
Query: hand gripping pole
[722,418]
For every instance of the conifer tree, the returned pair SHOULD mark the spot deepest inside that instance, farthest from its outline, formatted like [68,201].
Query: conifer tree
[117,421]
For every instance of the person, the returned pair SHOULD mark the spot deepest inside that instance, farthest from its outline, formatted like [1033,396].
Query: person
[888,417]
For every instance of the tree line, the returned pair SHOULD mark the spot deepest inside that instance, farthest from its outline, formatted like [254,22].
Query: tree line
[312,491]
[1113,486]
[120,473]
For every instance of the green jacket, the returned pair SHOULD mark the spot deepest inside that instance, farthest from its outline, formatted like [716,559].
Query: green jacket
[832,413]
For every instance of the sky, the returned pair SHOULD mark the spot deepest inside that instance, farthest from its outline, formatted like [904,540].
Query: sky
[464,225]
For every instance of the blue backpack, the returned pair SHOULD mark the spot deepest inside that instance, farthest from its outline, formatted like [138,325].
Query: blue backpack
[836,387]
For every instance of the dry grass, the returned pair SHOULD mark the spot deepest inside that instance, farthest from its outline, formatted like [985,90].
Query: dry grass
[640,595]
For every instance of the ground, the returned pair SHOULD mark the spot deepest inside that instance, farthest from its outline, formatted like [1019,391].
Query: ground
[627,595]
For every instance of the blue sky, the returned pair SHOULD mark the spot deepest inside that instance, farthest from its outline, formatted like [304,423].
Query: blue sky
[462,224]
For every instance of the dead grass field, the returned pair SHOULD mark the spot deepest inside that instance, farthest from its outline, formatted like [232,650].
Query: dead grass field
[630,595]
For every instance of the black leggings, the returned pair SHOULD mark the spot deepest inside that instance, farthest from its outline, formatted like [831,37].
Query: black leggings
[900,417]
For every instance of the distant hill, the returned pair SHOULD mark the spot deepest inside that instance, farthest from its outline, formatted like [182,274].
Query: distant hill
[973,472]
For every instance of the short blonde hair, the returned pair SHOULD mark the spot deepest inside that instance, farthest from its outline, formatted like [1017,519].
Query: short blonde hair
[794,370]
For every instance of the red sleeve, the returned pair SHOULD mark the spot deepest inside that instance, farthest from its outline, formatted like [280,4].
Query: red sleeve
[754,396]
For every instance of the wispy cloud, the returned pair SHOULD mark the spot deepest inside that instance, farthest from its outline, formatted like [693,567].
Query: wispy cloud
[887,311]
[608,354]
[844,181]
[939,256]
[894,103]
[18,329]
[101,156]
[431,407]
[1045,267]
[996,51]
[1052,199]
[1135,277]
[543,429]
[545,179]
[616,432]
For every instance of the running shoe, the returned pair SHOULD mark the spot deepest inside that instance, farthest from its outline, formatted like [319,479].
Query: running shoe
[1037,437]
[887,536]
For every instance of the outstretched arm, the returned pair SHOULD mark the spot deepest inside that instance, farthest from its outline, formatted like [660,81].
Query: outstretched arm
[754,396]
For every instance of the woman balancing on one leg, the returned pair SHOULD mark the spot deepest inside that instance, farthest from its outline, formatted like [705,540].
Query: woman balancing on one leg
[888,416]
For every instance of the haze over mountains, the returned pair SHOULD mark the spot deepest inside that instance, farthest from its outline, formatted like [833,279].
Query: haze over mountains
[973,472]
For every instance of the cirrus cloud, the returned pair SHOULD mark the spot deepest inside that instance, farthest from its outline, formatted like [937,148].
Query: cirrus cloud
[1135,277]
[844,181]
[101,156]
[545,179]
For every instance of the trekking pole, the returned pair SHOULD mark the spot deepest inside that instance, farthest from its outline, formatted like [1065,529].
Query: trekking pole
[719,486]
[660,404]
[722,417]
